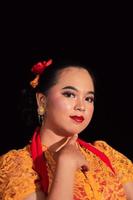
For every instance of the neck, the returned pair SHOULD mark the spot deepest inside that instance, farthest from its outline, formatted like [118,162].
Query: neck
[53,141]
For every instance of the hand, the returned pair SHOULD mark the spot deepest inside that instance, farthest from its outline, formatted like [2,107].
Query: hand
[70,155]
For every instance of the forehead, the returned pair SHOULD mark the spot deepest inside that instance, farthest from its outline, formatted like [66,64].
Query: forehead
[78,77]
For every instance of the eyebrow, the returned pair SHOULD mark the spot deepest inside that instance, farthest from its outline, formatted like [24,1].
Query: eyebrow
[73,88]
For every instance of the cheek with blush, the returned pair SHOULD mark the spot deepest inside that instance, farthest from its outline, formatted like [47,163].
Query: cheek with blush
[59,105]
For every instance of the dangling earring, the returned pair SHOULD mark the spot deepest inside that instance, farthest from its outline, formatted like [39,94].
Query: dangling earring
[41,112]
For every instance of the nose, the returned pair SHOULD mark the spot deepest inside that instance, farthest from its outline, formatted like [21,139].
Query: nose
[79,105]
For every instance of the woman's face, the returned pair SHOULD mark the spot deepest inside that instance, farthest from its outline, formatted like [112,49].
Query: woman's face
[70,103]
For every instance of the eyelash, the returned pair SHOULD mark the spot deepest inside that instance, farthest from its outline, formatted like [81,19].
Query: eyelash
[68,95]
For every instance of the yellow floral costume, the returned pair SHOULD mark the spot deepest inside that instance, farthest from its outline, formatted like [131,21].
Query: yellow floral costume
[18,179]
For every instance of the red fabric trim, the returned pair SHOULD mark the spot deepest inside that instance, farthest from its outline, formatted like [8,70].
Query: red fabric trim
[39,162]
[97,152]
[40,165]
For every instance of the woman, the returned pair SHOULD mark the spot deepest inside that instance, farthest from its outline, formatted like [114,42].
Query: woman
[56,164]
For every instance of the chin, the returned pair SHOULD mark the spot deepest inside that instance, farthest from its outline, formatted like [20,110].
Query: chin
[69,130]
[73,132]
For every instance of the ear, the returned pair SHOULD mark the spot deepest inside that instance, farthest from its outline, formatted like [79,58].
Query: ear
[41,99]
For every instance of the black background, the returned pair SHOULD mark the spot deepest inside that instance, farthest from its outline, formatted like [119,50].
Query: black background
[98,33]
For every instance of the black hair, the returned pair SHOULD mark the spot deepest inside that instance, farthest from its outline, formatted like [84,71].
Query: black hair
[49,78]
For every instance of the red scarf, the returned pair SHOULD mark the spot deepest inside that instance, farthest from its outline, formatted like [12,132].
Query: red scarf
[39,159]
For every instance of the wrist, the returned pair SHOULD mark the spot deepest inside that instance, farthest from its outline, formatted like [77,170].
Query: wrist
[66,164]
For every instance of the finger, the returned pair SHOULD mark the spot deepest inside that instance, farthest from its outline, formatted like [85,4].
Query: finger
[73,139]
[61,146]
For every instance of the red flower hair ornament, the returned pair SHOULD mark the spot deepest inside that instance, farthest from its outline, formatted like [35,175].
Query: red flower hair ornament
[38,69]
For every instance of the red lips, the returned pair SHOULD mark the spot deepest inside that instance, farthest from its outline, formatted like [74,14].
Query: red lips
[79,119]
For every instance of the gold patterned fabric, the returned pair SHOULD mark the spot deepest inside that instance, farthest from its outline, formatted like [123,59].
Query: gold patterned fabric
[18,179]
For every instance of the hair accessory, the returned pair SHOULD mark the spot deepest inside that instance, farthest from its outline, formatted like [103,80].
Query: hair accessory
[38,69]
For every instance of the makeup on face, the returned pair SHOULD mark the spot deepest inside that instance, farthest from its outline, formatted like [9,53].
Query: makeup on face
[68,92]
[70,102]
[78,119]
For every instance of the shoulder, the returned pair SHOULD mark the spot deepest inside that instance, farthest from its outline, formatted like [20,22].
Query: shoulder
[122,165]
[110,151]
[100,144]
[17,174]
[105,147]
[20,157]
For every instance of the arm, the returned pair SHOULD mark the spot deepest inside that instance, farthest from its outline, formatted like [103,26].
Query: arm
[69,159]
[128,187]
[62,186]
[36,196]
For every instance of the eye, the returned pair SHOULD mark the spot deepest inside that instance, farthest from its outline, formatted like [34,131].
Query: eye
[90,99]
[68,94]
